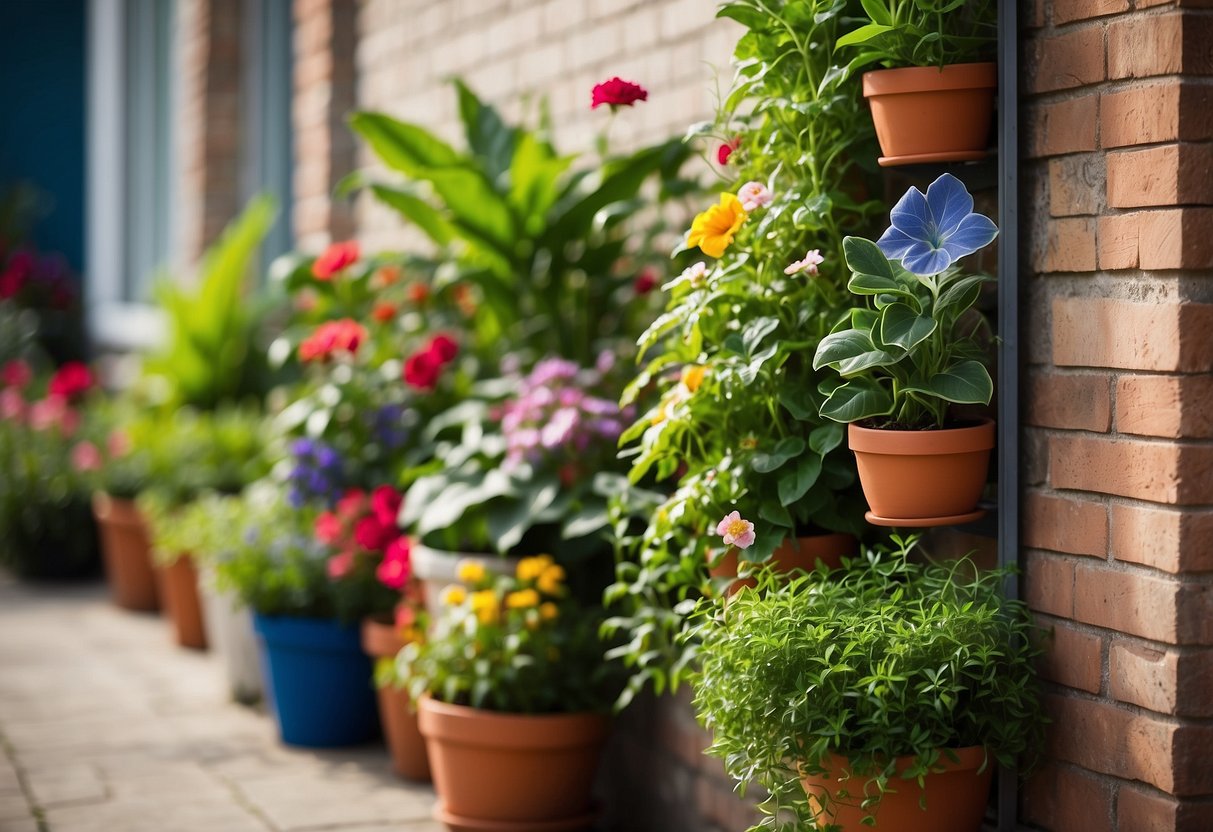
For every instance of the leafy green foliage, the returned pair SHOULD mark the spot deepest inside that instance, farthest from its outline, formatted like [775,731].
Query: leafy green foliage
[899,33]
[882,658]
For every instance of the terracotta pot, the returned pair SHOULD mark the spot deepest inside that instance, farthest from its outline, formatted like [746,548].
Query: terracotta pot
[381,641]
[178,584]
[496,771]
[922,477]
[793,553]
[127,553]
[929,114]
[435,570]
[956,796]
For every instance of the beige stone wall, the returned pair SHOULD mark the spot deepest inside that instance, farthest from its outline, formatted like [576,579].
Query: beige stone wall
[508,50]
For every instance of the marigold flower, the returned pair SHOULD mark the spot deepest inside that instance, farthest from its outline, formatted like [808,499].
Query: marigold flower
[548,611]
[522,599]
[454,595]
[531,568]
[754,195]
[485,605]
[616,92]
[335,258]
[471,572]
[713,230]
[551,580]
[812,259]
[692,376]
[736,531]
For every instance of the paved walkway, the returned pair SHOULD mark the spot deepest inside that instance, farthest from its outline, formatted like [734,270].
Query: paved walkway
[105,726]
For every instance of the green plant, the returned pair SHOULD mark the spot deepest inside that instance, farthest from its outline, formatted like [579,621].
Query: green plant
[918,351]
[548,248]
[881,659]
[511,643]
[897,33]
[212,354]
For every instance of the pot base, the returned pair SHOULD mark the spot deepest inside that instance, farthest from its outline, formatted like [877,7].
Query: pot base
[927,158]
[924,522]
[458,823]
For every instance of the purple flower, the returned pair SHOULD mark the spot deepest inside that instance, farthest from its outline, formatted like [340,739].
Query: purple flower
[559,430]
[931,231]
[552,369]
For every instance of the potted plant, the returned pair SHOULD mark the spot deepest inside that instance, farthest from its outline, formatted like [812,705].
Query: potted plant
[937,101]
[512,690]
[882,693]
[383,637]
[913,354]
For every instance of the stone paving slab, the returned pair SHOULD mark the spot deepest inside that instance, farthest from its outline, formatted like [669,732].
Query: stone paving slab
[106,726]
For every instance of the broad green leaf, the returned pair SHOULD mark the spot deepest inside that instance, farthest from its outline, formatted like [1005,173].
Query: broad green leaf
[967,382]
[404,147]
[510,521]
[785,449]
[534,176]
[962,294]
[858,399]
[901,326]
[417,211]
[755,330]
[826,438]
[747,16]
[878,12]
[841,346]
[865,257]
[866,361]
[490,140]
[476,209]
[862,35]
[794,484]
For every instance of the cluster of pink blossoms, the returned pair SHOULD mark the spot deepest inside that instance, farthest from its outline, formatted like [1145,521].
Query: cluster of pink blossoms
[363,527]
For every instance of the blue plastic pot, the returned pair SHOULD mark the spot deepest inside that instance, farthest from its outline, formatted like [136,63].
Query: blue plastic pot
[318,681]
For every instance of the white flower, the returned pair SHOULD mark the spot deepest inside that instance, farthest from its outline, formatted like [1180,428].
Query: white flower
[754,195]
[696,273]
[808,265]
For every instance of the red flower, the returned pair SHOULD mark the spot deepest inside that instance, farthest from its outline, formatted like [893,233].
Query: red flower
[385,502]
[421,369]
[70,381]
[387,275]
[340,565]
[16,373]
[394,570]
[351,503]
[617,93]
[645,281]
[419,293]
[345,335]
[374,535]
[328,528]
[335,258]
[444,347]
[383,311]
[726,150]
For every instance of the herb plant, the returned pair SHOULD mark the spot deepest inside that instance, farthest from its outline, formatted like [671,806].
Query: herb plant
[900,33]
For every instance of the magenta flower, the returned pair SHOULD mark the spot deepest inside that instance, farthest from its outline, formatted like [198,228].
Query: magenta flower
[736,531]
[616,92]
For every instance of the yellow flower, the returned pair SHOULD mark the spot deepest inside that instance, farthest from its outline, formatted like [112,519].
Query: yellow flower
[548,611]
[471,572]
[713,230]
[454,595]
[484,604]
[522,599]
[692,376]
[550,581]
[531,568]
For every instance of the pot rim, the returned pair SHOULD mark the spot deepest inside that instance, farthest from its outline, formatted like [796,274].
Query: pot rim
[967,757]
[442,565]
[968,439]
[912,79]
[465,725]
[379,636]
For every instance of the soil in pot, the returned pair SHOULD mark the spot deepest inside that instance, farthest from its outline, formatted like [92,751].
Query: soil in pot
[496,771]
[381,641]
[932,114]
[178,586]
[127,553]
[793,553]
[955,796]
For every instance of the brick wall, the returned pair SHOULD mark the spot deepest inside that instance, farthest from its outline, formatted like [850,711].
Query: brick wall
[1118,182]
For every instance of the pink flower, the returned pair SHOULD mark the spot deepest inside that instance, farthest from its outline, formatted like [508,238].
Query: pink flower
[696,273]
[117,444]
[735,531]
[351,503]
[394,570]
[16,373]
[328,528]
[726,150]
[12,406]
[85,456]
[385,502]
[754,195]
[616,92]
[812,259]
[54,412]
[335,258]
[340,565]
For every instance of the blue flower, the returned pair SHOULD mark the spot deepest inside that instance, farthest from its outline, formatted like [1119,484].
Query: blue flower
[930,232]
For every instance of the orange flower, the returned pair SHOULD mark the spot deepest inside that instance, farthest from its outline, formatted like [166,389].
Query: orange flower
[383,311]
[387,275]
[713,230]
[334,259]
[692,376]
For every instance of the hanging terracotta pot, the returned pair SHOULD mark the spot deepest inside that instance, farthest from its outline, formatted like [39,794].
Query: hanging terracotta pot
[955,796]
[127,553]
[917,478]
[178,586]
[932,114]
[793,553]
[435,570]
[380,640]
[512,772]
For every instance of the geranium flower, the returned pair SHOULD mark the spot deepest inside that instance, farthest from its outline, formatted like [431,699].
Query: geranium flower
[754,195]
[713,230]
[726,150]
[929,232]
[397,564]
[374,535]
[421,370]
[383,311]
[812,259]
[616,92]
[385,502]
[70,381]
[351,503]
[332,338]
[736,531]
[387,275]
[335,258]
[16,373]
[445,347]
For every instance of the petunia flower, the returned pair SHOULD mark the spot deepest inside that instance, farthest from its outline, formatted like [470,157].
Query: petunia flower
[736,531]
[931,231]
[812,259]
[713,230]
[754,195]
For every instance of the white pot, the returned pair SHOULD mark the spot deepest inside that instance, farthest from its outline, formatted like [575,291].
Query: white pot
[438,569]
[229,630]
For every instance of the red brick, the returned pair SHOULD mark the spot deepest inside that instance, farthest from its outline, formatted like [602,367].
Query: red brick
[1166,680]
[1159,607]
[1108,738]
[1049,584]
[1075,184]
[1073,59]
[1066,798]
[1174,174]
[1076,401]
[1069,247]
[1175,238]
[1067,11]
[1061,524]
[1144,45]
[1170,539]
[1165,111]
[1172,406]
[1139,809]
[1160,472]
[1063,126]
[1072,657]
[1103,332]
